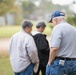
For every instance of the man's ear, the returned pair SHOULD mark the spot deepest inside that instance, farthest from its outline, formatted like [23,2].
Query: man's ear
[54,21]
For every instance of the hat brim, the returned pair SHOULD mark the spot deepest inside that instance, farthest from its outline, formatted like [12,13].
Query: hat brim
[50,21]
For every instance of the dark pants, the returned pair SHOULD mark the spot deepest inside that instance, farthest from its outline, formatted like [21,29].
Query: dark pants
[27,71]
[42,69]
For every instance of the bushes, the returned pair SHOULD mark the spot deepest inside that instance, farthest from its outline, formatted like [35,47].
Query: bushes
[72,20]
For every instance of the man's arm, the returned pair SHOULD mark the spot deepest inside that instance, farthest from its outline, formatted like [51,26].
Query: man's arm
[33,54]
[32,50]
[52,55]
[55,43]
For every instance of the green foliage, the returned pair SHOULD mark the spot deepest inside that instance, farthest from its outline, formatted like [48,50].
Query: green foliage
[8,31]
[72,20]
[51,26]
[5,67]
[27,8]
[5,5]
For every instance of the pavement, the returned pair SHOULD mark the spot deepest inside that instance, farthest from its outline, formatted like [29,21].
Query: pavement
[4,46]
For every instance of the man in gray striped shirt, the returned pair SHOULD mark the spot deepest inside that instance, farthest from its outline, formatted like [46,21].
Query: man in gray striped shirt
[62,60]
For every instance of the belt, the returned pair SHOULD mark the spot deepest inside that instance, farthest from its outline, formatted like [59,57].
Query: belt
[64,58]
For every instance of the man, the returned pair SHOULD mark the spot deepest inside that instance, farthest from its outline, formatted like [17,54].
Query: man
[62,60]
[42,46]
[23,51]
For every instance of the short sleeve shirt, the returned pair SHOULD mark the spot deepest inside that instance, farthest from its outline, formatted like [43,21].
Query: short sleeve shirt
[64,37]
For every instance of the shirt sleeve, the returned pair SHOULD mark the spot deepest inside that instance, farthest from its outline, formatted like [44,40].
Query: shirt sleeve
[56,37]
[32,50]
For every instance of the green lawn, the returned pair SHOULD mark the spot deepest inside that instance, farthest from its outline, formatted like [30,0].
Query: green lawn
[5,67]
[8,31]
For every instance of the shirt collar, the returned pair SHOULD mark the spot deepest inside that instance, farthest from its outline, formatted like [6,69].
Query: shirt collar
[35,32]
[62,22]
[23,31]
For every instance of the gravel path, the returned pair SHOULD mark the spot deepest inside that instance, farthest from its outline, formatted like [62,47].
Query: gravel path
[4,44]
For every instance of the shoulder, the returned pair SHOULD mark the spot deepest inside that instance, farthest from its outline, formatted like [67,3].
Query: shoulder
[35,32]
[15,35]
[58,28]
[29,37]
[39,35]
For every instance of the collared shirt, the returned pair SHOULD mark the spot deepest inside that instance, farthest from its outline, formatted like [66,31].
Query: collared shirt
[23,51]
[64,37]
[35,32]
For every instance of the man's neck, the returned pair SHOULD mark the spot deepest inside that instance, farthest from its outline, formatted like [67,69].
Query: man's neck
[24,31]
[62,21]
[39,30]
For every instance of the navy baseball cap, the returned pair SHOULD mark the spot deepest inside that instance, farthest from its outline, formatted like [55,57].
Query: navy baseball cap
[55,14]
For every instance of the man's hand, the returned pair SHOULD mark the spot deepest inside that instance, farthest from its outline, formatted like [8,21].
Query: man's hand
[52,55]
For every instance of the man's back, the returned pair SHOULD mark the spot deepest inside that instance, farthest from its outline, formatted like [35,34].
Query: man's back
[67,35]
[63,46]
[20,53]
[42,47]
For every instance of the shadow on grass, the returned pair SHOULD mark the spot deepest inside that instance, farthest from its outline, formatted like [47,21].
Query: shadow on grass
[5,67]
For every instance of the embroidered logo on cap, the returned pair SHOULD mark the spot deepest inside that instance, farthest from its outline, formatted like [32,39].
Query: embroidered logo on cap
[62,13]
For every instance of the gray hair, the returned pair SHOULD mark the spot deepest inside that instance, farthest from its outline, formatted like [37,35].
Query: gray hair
[41,24]
[59,17]
[26,24]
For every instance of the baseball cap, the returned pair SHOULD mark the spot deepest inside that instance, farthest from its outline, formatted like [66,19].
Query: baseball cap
[56,14]
[40,24]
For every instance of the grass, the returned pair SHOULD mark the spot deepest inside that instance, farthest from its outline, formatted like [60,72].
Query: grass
[5,67]
[4,53]
[8,31]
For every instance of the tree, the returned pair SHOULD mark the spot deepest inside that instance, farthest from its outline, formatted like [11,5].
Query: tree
[27,7]
[5,5]
[72,19]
